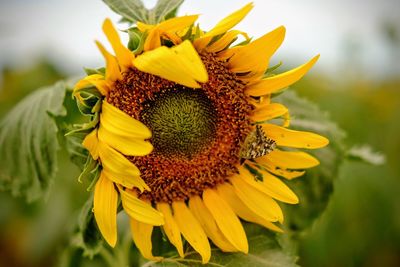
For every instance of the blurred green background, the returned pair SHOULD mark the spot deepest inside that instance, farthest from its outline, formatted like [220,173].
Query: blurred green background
[361,225]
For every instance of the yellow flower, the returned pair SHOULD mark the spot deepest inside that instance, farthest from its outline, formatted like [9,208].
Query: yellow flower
[184,140]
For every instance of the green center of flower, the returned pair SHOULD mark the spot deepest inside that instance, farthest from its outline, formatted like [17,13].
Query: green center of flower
[183,121]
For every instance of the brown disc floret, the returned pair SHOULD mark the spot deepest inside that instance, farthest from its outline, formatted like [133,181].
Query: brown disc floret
[197,132]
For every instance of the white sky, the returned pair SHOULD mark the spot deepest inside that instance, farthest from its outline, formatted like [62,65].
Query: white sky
[65,30]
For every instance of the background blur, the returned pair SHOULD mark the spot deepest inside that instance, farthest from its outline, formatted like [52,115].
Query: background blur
[357,81]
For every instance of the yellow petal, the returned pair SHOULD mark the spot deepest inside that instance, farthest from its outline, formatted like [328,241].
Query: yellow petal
[205,218]
[123,132]
[120,123]
[119,169]
[153,40]
[254,57]
[288,174]
[124,56]
[192,230]
[113,72]
[291,138]
[275,83]
[270,185]
[91,143]
[177,24]
[171,228]
[227,192]
[96,80]
[223,26]
[127,146]
[225,41]
[180,64]
[139,210]
[226,220]
[141,234]
[191,61]
[144,27]
[292,159]
[269,112]
[105,209]
[261,204]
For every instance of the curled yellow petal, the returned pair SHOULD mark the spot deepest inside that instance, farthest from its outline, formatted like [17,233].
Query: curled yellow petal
[227,192]
[113,72]
[180,64]
[275,83]
[260,203]
[269,112]
[91,143]
[105,209]
[171,228]
[192,230]
[141,235]
[96,80]
[139,210]
[124,56]
[209,225]
[223,26]
[290,138]
[226,220]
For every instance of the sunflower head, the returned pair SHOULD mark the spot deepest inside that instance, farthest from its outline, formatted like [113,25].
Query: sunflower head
[181,131]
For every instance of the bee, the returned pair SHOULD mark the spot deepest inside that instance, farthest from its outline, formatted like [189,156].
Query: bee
[256,144]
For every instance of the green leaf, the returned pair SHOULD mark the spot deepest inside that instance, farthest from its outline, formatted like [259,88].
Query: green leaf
[264,251]
[164,9]
[316,186]
[29,143]
[87,236]
[134,10]
[130,10]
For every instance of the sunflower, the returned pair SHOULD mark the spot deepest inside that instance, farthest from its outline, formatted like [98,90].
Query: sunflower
[183,135]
